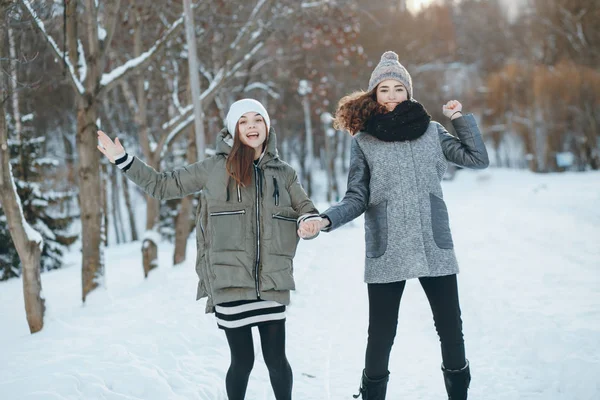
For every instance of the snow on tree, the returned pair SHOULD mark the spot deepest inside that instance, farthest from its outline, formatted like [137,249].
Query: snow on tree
[43,206]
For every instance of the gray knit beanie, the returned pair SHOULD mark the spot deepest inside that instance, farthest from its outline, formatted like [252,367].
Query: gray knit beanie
[390,68]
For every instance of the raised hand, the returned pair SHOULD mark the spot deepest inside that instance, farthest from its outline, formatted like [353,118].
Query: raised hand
[109,148]
[451,109]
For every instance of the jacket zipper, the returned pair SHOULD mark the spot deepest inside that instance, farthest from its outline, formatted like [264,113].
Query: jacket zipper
[214,214]
[257,265]
[276,216]
[239,193]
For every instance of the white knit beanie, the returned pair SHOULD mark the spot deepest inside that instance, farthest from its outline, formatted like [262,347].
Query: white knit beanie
[240,108]
[390,68]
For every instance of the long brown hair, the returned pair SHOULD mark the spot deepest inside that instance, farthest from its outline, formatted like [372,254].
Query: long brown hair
[355,109]
[239,161]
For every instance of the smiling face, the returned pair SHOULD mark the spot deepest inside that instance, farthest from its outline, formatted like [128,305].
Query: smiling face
[390,93]
[252,130]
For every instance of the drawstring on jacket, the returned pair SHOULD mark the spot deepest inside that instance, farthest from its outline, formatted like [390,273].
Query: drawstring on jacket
[276,191]
[227,187]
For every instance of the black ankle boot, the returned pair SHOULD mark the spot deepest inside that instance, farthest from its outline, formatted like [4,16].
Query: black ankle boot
[457,382]
[372,389]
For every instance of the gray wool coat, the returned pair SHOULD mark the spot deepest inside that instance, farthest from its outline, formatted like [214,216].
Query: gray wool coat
[397,186]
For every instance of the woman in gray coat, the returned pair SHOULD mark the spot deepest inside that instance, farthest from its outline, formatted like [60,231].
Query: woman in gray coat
[398,159]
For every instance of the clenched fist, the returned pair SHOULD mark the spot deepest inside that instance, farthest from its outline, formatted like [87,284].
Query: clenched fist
[452,109]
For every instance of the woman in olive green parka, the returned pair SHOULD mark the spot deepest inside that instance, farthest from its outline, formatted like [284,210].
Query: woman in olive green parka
[250,205]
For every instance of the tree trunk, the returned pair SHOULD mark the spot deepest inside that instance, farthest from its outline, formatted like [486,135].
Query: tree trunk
[190,34]
[71,28]
[28,243]
[345,144]
[104,201]
[89,196]
[90,184]
[309,156]
[35,304]
[149,245]
[130,214]
[13,86]
[115,209]
[182,223]
[69,158]
[334,178]
[329,154]
[112,121]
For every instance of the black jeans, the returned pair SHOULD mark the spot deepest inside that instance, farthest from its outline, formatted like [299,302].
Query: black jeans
[272,340]
[384,302]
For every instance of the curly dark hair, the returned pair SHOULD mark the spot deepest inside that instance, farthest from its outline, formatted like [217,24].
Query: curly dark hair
[355,109]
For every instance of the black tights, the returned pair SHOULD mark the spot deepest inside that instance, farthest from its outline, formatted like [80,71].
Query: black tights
[272,340]
[384,302]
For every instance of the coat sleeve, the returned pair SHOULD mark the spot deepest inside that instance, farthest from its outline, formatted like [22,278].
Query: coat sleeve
[300,201]
[468,150]
[356,199]
[169,185]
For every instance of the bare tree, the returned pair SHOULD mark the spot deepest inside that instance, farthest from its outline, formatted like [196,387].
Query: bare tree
[183,224]
[230,54]
[330,156]
[28,242]
[304,89]
[86,75]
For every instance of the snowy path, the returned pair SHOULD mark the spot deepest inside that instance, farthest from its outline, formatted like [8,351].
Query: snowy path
[530,295]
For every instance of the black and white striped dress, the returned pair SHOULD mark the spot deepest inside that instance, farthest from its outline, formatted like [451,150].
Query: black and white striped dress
[248,313]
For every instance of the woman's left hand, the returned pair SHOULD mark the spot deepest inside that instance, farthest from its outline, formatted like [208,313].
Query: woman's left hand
[451,109]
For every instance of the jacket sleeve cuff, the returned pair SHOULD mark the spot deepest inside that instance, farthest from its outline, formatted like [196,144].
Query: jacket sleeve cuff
[329,227]
[464,122]
[124,161]
[308,217]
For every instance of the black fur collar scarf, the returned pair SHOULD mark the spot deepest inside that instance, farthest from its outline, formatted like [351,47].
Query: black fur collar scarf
[408,121]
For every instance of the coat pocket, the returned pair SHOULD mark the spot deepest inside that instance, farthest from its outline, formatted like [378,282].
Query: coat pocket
[440,223]
[284,239]
[230,277]
[376,230]
[228,230]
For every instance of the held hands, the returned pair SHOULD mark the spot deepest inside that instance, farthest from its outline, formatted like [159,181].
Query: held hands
[310,228]
[108,148]
[452,109]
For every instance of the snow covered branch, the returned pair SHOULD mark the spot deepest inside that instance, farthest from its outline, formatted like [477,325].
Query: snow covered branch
[186,118]
[264,87]
[110,79]
[251,19]
[113,16]
[39,24]
[176,125]
[312,4]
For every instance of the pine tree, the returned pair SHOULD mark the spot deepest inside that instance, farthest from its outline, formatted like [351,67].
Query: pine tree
[8,254]
[44,207]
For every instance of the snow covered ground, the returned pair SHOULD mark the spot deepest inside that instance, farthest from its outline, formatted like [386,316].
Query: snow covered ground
[529,250]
